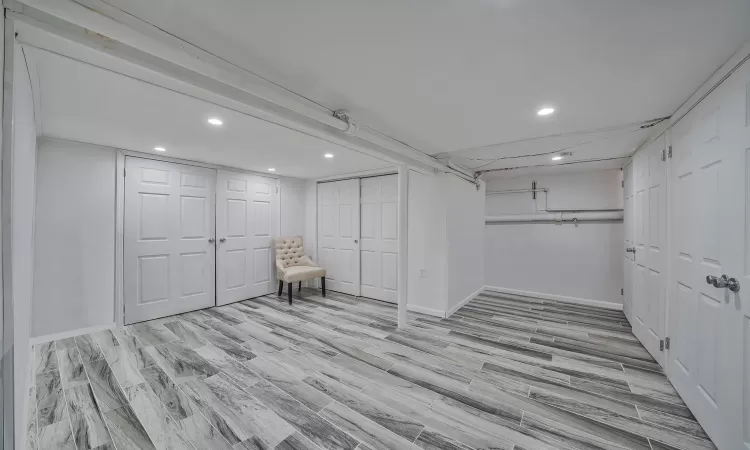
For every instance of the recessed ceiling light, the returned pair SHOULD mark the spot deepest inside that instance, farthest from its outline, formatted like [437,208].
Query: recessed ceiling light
[545,111]
[215,121]
[557,158]
[328,155]
[271,169]
[160,149]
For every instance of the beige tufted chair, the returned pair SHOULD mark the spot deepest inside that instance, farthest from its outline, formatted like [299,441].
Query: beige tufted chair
[293,265]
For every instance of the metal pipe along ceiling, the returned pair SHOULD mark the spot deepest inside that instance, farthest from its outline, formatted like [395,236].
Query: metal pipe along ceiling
[583,216]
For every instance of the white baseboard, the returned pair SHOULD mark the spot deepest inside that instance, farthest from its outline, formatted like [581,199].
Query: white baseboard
[67,334]
[463,302]
[428,311]
[560,298]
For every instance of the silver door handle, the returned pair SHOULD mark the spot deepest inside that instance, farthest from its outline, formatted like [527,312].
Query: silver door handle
[725,282]
[223,240]
[710,279]
[211,240]
[630,249]
[733,285]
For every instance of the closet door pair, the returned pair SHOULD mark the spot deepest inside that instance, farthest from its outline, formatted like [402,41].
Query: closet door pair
[358,236]
[194,237]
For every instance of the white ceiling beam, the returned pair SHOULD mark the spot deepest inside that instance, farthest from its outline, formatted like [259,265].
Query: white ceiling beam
[163,53]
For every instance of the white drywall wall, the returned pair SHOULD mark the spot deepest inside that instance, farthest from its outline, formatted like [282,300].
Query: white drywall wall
[22,226]
[427,284]
[292,203]
[583,262]
[74,264]
[464,212]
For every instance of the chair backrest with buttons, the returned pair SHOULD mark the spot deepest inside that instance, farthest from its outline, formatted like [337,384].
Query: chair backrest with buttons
[289,250]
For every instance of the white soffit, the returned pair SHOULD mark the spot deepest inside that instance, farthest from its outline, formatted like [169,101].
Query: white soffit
[443,75]
[82,102]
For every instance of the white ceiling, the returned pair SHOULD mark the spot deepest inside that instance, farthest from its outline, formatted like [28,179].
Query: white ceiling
[446,75]
[86,103]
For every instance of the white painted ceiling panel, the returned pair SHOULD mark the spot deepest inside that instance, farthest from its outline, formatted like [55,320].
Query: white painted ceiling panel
[86,103]
[445,75]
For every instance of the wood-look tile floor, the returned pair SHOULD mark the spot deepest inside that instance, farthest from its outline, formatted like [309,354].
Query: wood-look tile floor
[504,372]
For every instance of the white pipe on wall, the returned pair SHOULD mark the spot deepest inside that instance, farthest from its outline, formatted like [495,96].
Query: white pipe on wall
[583,216]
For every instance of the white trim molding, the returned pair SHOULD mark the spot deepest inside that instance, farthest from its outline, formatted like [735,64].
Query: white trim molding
[464,301]
[428,311]
[70,333]
[559,298]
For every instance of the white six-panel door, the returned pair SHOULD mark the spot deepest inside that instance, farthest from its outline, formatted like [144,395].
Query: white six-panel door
[338,234]
[246,223]
[649,268]
[169,222]
[379,237]
[709,358]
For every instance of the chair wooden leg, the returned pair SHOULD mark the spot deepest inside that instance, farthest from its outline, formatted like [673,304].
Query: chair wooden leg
[323,285]
[299,289]
[281,287]
[290,293]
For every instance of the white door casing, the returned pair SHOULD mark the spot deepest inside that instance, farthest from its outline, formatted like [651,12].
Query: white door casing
[338,234]
[649,269]
[629,225]
[169,262]
[709,327]
[379,237]
[246,223]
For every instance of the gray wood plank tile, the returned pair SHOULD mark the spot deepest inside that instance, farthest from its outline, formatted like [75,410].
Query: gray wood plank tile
[229,366]
[200,434]
[257,419]
[152,333]
[45,357]
[57,436]
[367,431]
[384,416]
[181,362]
[302,419]
[107,390]
[176,402]
[71,368]
[287,382]
[296,442]
[127,430]
[159,425]
[430,439]
[50,400]
[135,350]
[187,334]
[89,430]
[88,348]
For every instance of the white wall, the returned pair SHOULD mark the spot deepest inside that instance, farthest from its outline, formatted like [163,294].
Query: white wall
[464,211]
[583,262]
[22,229]
[292,202]
[74,261]
[426,253]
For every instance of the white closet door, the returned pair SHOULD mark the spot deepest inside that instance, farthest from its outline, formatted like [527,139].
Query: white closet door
[649,271]
[246,220]
[379,237]
[338,235]
[169,225]
[709,356]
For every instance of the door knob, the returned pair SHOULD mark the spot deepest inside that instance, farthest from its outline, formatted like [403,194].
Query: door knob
[223,240]
[710,279]
[356,241]
[733,285]
[211,240]
[720,282]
